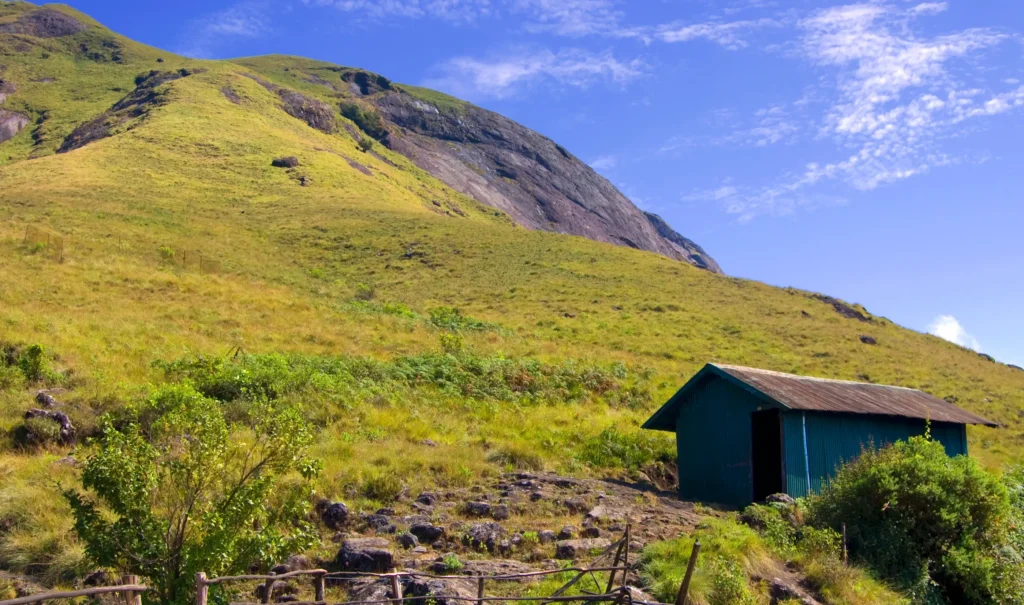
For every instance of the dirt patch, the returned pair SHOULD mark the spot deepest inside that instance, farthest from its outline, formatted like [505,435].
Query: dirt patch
[357,166]
[231,95]
[138,104]
[44,23]
[842,308]
[11,123]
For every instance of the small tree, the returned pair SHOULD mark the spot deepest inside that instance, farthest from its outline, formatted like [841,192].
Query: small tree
[936,526]
[179,491]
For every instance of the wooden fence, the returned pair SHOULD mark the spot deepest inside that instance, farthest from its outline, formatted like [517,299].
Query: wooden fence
[129,587]
[320,578]
[52,243]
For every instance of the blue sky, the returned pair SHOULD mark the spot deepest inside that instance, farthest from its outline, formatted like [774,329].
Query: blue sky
[872,151]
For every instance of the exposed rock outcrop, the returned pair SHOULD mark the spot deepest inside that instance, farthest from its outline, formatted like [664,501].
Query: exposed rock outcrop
[11,123]
[510,167]
[44,23]
[313,112]
[148,94]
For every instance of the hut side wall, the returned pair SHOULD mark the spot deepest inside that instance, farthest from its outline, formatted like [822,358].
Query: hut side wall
[835,439]
[713,438]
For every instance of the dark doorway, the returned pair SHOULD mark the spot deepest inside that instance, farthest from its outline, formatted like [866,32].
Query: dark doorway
[766,453]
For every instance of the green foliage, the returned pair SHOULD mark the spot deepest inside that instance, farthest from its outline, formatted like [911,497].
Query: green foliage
[365,292]
[631,451]
[184,492]
[367,120]
[33,363]
[777,532]
[38,431]
[365,145]
[456,372]
[452,319]
[932,524]
[729,553]
[451,563]
[11,378]
[166,254]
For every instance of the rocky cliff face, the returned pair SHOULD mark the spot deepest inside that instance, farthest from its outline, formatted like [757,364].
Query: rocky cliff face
[508,166]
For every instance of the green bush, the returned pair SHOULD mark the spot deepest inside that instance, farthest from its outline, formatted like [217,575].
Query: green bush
[365,145]
[367,120]
[11,378]
[516,457]
[195,493]
[452,319]
[33,363]
[935,526]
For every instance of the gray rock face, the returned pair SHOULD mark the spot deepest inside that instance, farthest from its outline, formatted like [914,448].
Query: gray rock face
[484,535]
[537,182]
[571,549]
[365,554]
[11,123]
[334,515]
[427,532]
[44,23]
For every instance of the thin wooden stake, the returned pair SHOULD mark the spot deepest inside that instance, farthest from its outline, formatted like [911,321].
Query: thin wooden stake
[202,588]
[396,589]
[268,589]
[480,591]
[611,574]
[320,587]
[131,597]
[625,562]
[684,588]
[846,556]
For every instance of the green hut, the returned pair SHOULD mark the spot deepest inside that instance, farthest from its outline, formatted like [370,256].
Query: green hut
[744,434]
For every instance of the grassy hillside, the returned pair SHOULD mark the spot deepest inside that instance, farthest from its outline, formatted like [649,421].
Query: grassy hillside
[347,270]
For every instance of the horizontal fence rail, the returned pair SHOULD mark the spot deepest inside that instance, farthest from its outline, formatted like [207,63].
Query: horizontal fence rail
[132,591]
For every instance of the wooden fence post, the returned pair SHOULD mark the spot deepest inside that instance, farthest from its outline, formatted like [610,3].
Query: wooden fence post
[684,588]
[268,590]
[319,587]
[480,591]
[396,588]
[131,597]
[846,556]
[202,589]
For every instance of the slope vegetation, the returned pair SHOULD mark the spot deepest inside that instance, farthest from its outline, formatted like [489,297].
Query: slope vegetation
[431,338]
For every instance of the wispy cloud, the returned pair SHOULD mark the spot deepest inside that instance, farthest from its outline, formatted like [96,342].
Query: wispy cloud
[242,20]
[449,10]
[948,328]
[570,17]
[514,73]
[604,162]
[896,97]
[730,34]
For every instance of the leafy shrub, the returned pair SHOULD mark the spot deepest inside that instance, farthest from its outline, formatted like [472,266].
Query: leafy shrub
[166,254]
[452,319]
[33,363]
[196,495]
[365,145]
[451,563]
[632,451]
[776,531]
[932,524]
[37,432]
[367,120]
[365,292]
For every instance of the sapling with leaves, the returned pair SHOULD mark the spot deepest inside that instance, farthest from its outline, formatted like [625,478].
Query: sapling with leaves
[178,489]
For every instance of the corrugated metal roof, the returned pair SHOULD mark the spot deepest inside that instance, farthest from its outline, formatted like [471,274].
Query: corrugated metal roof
[826,395]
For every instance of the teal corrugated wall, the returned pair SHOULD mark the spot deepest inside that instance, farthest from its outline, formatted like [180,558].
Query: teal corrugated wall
[714,442]
[834,439]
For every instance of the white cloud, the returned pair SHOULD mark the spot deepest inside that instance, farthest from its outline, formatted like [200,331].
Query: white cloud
[570,17]
[896,98]
[948,328]
[449,10]
[727,34]
[604,162]
[242,20]
[506,76]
